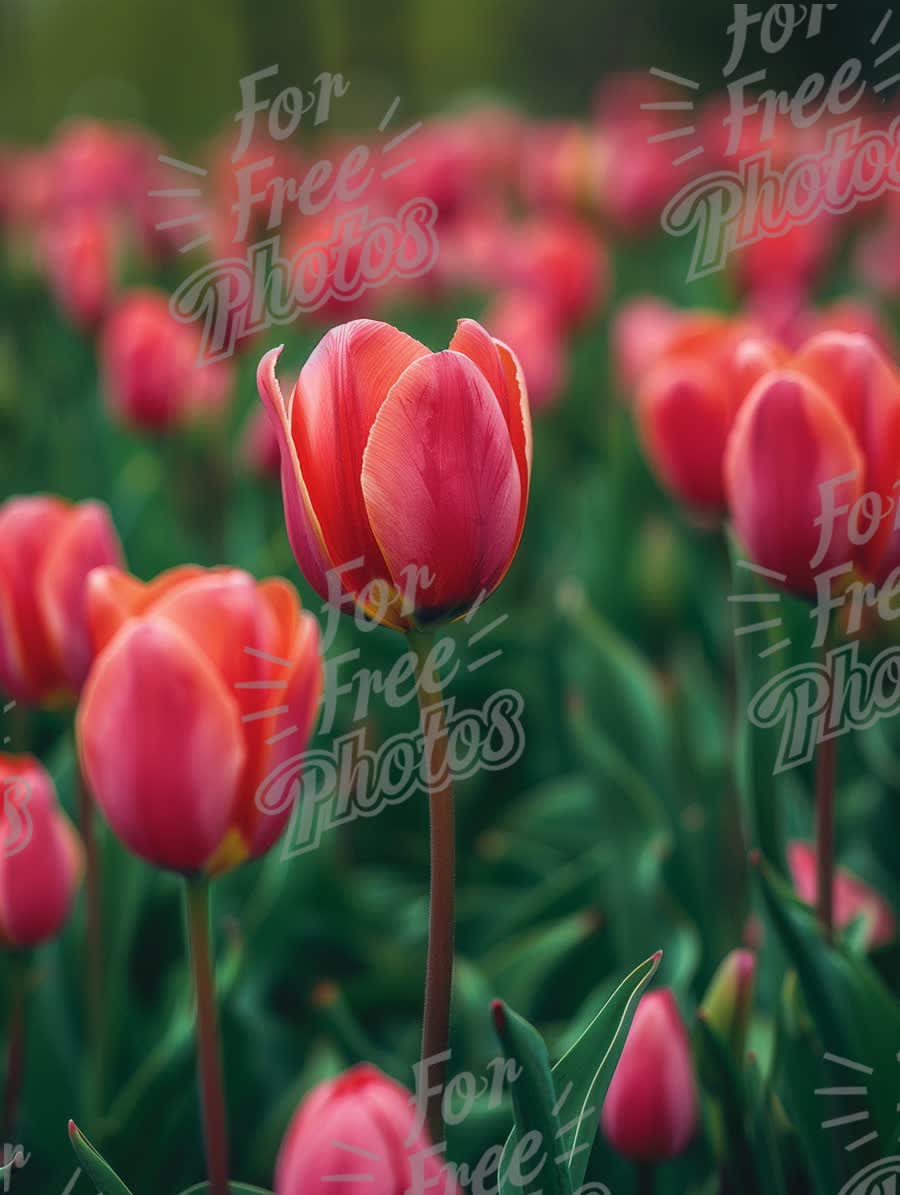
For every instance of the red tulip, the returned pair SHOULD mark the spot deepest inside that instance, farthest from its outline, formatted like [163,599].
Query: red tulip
[47,549]
[650,1111]
[687,403]
[405,471]
[852,897]
[169,733]
[80,252]
[357,1135]
[789,445]
[152,372]
[260,448]
[40,855]
[642,329]
[865,387]
[525,322]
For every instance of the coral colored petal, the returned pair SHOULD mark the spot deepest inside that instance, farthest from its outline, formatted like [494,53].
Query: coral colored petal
[339,393]
[442,486]
[160,744]
[86,541]
[304,531]
[114,596]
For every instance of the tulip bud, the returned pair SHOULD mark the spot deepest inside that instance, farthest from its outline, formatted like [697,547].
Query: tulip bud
[404,473]
[153,375]
[852,897]
[178,727]
[47,549]
[729,998]
[41,858]
[358,1135]
[650,1111]
[526,323]
[789,448]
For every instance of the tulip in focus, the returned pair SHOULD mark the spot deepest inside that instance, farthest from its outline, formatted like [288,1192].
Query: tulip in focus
[650,1111]
[47,549]
[405,473]
[153,377]
[169,733]
[357,1135]
[40,855]
[852,897]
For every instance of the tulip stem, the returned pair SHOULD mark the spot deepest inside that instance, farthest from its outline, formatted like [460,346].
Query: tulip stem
[209,1062]
[644,1178]
[15,1050]
[439,967]
[826,753]
[87,825]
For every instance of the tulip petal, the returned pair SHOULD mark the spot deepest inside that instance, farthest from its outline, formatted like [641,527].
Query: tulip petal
[86,541]
[303,528]
[113,596]
[339,393]
[160,744]
[442,486]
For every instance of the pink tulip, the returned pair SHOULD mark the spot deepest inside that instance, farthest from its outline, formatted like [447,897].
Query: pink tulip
[788,442]
[47,549]
[260,449]
[644,328]
[852,897]
[80,252]
[526,323]
[357,1135]
[180,721]
[40,855]
[562,260]
[650,1111]
[404,473]
[152,372]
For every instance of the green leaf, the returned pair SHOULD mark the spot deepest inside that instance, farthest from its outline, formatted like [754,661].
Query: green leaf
[856,1017]
[725,1106]
[762,1132]
[534,1102]
[95,1167]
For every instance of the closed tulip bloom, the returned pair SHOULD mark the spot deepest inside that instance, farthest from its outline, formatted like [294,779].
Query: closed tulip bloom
[48,547]
[729,998]
[153,377]
[789,441]
[170,733]
[80,253]
[650,1111]
[687,403]
[405,473]
[852,897]
[357,1135]
[40,855]
[865,386]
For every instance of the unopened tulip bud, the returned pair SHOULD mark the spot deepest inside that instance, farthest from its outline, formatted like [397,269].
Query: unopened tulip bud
[41,858]
[650,1112]
[729,998]
[359,1135]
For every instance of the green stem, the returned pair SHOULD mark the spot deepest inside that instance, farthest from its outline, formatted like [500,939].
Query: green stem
[644,1178]
[209,1063]
[15,1050]
[87,825]
[826,754]
[439,967]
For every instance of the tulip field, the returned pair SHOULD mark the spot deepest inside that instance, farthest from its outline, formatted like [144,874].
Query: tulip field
[449,651]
